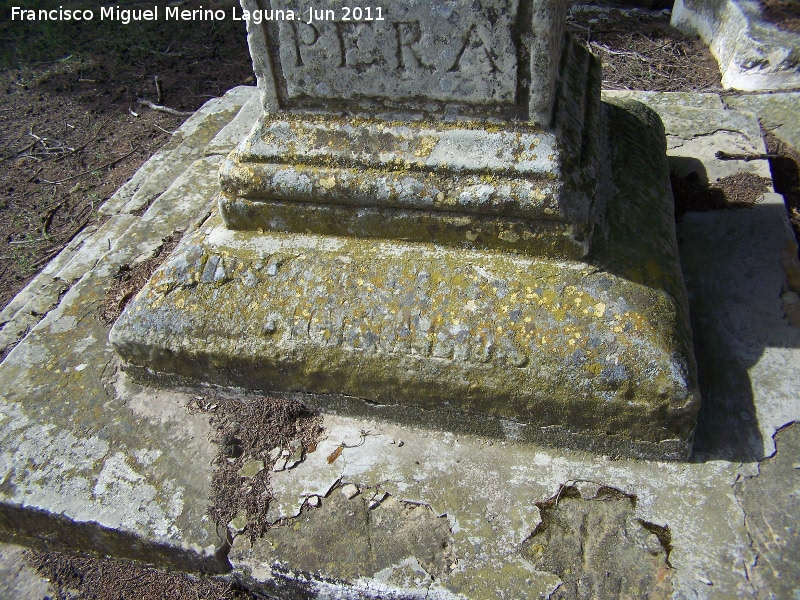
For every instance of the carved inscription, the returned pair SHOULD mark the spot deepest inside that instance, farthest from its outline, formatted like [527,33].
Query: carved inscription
[447,51]
[404,313]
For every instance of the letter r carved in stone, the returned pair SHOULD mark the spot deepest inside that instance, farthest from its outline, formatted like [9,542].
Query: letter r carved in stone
[408,34]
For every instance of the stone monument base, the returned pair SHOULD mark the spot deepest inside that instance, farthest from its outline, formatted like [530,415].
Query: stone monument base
[593,353]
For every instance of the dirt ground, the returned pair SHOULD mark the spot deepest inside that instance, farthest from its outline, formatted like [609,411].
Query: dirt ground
[783,13]
[73,130]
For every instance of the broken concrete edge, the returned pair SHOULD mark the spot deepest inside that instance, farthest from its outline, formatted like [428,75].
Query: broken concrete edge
[42,294]
[251,577]
[592,490]
[769,502]
[88,426]
[47,289]
[45,276]
[273,575]
[188,143]
[778,112]
[704,577]
[753,54]
[24,525]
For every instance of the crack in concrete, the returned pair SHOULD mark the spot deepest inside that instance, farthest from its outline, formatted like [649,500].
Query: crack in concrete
[738,486]
[39,316]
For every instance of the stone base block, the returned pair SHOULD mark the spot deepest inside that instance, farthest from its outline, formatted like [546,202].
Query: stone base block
[594,353]
[511,186]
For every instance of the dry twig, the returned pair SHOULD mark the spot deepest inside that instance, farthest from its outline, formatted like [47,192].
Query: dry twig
[158,107]
[110,163]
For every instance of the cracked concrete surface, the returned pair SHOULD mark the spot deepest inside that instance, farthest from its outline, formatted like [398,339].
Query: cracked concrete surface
[589,538]
[90,461]
[771,502]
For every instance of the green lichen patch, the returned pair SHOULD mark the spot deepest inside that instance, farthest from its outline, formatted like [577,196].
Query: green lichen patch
[535,341]
[597,349]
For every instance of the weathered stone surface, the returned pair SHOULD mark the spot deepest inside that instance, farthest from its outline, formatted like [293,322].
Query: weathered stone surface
[779,113]
[491,494]
[489,489]
[700,127]
[238,128]
[752,53]
[86,463]
[593,542]
[743,338]
[436,55]
[186,146]
[510,186]
[771,501]
[344,539]
[18,580]
[599,349]
[745,346]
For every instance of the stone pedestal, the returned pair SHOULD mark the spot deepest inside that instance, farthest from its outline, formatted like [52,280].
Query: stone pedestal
[437,219]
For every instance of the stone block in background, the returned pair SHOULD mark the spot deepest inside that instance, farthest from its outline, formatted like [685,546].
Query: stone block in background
[753,53]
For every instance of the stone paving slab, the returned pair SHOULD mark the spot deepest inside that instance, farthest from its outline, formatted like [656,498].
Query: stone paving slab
[90,461]
[698,128]
[18,581]
[186,145]
[87,463]
[779,113]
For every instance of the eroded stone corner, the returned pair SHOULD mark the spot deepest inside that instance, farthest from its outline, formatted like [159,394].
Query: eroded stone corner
[591,539]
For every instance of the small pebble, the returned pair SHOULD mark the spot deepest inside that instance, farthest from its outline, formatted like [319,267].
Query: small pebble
[350,491]
[400,443]
[314,501]
[239,523]
[280,465]
[377,499]
[251,468]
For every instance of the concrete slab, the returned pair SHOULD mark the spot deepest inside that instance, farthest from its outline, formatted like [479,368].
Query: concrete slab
[698,126]
[753,54]
[18,581]
[93,462]
[745,346]
[771,501]
[78,466]
[779,113]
